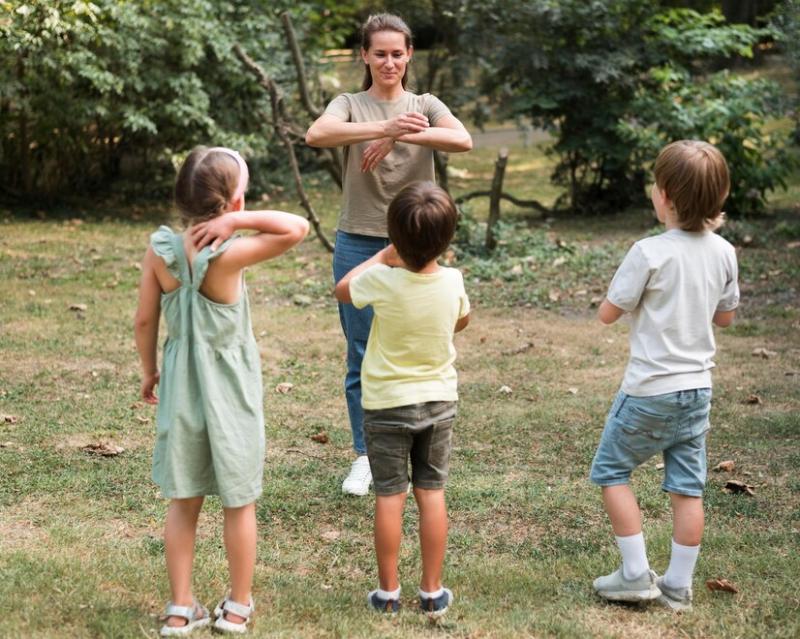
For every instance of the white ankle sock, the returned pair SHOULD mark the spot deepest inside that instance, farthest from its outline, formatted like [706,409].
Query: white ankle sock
[389,594]
[634,556]
[431,595]
[681,565]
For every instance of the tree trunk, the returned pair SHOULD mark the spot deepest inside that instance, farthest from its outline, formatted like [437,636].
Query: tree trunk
[494,198]
[440,161]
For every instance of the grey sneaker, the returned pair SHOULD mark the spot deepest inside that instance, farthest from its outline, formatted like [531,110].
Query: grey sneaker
[678,599]
[615,587]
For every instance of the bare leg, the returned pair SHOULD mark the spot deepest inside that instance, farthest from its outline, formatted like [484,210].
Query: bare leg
[623,510]
[688,519]
[240,536]
[388,532]
[179,537]
[432,536]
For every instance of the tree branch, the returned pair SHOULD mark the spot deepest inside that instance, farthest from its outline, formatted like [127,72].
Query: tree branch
[281,127]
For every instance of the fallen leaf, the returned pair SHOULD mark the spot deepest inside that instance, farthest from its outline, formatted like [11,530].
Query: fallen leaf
[559,261]
[792,245]
[572,390]
[516,269]
[9,419]
[77,307]
[301,300]
[142,419]
[763,352]
[136,405]
[595,300]
[505,390]
[734,487]
[331,535]
[519,349]
[320,438]
[554,295]
[581,293]
[726,466]
[284,387]
[753,399]
[6,444]
[721,585]
[660,466]
[105,449]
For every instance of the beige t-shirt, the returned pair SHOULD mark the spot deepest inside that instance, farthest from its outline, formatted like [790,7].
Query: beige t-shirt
[367,195]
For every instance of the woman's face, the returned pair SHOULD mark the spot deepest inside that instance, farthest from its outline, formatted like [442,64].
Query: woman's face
[387,57]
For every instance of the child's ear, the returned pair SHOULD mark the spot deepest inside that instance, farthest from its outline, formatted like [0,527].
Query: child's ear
[237,204]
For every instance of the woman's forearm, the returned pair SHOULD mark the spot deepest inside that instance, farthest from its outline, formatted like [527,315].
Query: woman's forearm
[337,133]
[441,139]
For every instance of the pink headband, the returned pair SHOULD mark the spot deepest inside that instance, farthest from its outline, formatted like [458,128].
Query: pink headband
[244,174]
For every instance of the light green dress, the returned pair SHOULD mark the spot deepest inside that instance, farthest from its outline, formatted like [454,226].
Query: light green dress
[210,418]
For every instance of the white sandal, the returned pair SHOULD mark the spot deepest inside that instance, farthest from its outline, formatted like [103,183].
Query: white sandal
[227,605]
[196,617]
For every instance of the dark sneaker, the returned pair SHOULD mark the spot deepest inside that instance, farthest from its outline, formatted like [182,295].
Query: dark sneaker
[615,587]
[678,599]
[436,607]
[392,606]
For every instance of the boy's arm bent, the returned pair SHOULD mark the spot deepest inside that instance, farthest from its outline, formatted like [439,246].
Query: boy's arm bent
[145,326]
[462,323]
[387,256]
[277,233]
[609,313]
[724,318]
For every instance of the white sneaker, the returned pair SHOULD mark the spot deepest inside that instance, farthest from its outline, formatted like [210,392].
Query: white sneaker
[360,477]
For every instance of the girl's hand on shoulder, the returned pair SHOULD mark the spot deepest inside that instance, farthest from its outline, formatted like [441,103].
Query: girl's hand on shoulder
[149,383]
[213,232]
[411,122]
[375,152]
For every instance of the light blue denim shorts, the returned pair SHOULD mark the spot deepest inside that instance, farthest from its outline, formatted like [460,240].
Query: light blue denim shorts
[674,424]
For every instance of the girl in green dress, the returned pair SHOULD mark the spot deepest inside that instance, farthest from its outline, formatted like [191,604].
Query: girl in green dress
[210,422]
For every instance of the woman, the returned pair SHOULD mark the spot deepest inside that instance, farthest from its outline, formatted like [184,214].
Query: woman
[389,135]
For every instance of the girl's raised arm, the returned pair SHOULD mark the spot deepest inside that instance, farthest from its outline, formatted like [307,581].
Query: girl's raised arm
[277,233]
[145,326]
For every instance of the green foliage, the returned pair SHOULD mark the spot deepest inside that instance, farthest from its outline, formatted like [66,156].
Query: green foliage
[614,81]
[94,90]
[729,112]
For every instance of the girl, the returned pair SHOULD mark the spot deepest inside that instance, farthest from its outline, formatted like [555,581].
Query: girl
[210,424]
[389,135]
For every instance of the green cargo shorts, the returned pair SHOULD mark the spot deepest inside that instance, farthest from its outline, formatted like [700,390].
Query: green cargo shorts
[422,433]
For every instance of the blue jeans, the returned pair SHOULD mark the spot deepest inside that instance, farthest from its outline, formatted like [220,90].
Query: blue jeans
[350,251]
[673,424]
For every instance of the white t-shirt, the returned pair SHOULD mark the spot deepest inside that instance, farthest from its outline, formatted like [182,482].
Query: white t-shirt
[672,284]
[410,353]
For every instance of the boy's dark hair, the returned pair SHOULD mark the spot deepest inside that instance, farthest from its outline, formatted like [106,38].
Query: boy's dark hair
[694,176]
[422,220]
[206,182]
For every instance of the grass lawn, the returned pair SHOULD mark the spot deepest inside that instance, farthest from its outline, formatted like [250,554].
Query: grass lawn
[80,535]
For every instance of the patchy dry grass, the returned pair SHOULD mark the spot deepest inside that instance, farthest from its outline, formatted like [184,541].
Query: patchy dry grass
[80,543]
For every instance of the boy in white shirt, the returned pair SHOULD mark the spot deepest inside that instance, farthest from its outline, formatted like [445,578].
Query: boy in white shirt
[674,285]
[408,382]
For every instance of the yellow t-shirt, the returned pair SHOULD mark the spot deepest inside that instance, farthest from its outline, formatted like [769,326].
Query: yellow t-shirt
[410,353]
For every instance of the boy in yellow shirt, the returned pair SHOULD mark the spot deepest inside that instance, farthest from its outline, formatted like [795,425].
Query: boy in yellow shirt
[408,382]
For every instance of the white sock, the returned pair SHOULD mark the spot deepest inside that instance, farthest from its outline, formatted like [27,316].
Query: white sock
[431,595]
[681,566]
[634,556]
[389,594]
